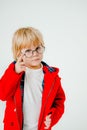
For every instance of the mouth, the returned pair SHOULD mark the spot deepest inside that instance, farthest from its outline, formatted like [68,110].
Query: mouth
[36,59]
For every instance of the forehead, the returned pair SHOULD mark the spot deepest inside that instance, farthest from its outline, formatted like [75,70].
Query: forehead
[32,47]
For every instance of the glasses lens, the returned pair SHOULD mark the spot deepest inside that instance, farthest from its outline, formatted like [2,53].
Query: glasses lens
[28,53]
[40,49]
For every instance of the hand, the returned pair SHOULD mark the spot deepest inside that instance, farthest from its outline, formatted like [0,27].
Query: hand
[20,66]
[47,122]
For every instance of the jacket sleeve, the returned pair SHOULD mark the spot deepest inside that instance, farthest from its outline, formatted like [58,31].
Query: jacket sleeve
[58,105]
[9,82]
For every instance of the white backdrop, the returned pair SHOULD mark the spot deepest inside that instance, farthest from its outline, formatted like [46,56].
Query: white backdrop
[63,24]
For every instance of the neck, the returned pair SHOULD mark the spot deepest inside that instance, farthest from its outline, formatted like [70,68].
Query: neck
[35,67]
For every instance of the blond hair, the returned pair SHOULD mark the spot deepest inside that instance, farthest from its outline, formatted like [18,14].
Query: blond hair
[24,38]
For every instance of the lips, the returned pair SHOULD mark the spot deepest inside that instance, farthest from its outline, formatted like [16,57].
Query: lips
[35,59]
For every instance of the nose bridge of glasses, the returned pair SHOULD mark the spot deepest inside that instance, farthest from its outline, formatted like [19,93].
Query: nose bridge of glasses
[34,51]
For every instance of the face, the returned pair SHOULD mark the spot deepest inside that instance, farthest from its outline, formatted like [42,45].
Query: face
[32,56]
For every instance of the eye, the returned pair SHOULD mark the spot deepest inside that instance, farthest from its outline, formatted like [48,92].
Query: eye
[28,51]
[38,48]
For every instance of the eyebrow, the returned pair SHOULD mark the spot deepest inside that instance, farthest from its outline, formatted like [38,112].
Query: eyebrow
[31,49]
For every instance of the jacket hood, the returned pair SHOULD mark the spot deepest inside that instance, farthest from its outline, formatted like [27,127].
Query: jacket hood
[49,69]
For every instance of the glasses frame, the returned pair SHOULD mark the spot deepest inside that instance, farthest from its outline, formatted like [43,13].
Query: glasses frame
[32,51]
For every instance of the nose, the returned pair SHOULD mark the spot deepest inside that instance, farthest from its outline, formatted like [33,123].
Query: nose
[34,52]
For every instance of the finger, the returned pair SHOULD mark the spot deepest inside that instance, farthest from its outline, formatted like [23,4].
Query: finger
[20,58]
[22,63]
[47,122]
[49,116]
[47,126]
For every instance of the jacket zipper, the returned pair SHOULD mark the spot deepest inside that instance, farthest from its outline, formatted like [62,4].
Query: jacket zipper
[47,100]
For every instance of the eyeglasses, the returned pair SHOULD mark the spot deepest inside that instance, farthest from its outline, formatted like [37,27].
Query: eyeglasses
[29,53]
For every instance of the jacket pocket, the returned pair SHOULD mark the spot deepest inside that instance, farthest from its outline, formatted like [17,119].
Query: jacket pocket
[10,120]
[11,125]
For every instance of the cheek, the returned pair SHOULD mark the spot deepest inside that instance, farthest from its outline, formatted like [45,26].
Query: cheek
[41,56]
[25,60]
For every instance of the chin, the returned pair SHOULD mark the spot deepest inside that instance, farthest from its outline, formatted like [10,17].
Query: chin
[35,64]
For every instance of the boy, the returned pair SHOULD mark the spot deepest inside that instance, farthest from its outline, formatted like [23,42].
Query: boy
[31,88]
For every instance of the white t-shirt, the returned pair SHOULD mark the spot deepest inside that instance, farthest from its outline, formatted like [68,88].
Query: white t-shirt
[32,98]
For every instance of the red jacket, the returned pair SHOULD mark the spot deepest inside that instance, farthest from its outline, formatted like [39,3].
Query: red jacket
[53,97]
